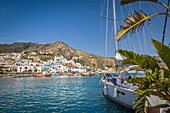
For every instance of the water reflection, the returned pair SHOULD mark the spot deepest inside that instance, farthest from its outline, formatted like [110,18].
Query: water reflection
[57,94]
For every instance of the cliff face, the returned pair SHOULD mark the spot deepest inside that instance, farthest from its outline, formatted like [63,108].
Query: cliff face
[82,57]
[59,47]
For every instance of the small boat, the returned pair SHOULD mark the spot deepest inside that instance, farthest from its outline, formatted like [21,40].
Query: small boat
[42,75]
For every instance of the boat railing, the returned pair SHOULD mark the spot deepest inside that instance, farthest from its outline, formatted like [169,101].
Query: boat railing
[120,82]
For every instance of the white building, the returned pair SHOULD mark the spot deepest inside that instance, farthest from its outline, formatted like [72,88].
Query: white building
[33,53]
[61,68]
[71,62]
[38,69]
[21,69]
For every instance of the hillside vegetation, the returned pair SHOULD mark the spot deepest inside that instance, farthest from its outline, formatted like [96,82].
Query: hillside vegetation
[61,48]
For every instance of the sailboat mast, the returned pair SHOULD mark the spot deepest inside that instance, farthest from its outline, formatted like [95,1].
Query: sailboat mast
[106,33]
[114,22]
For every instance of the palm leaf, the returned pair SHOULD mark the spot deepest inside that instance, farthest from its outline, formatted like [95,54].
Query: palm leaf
[145,62]
[137,105]
[163,51]
[162,106]
[123,2]
[134,22]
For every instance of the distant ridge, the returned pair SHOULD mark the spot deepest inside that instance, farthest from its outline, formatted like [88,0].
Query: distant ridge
[59,47]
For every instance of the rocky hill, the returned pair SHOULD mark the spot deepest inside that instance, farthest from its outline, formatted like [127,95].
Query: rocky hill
[58,47]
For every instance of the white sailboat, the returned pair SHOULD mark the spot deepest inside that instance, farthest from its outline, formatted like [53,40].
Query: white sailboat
[116,88]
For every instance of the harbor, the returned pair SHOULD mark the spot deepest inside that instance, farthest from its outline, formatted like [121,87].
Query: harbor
[55,94]
[50,75]
[84,56]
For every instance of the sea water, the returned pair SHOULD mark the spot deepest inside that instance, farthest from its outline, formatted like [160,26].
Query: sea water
[55,94]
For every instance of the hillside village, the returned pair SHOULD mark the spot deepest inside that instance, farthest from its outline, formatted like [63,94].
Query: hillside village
[15,63]
[53,57]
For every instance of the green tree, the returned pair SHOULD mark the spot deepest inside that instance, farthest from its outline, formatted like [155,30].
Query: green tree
[156,81]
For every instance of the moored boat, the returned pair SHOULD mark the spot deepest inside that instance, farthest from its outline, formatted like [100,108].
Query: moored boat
[42,75]
[117,88]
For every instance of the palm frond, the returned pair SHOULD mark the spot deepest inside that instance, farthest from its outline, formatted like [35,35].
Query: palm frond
[123,2]
[134,22]
[134,19]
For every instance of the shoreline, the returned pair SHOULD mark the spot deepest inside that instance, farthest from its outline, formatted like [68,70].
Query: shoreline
[32,75]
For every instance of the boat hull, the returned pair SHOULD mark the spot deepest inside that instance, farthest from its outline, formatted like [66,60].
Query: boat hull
[42,75]
[123,97]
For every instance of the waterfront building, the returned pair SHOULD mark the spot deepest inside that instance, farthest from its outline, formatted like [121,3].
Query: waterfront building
[25,68]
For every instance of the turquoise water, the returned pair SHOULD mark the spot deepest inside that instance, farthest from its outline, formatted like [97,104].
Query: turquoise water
[55,94]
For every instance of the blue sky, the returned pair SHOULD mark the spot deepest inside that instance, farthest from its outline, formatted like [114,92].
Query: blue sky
[74,22]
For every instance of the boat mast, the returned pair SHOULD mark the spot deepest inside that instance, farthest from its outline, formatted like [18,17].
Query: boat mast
[114,24]
[106,34]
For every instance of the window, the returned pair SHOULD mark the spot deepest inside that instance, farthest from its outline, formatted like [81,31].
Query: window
[122,93]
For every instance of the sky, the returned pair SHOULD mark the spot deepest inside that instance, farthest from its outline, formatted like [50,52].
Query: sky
[78,24]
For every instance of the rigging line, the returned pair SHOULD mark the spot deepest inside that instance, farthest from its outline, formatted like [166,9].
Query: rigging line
[122,23]
[132,43]
[103,7]
[140,5]
[157,16]
[112,19]
[155,12]
[126,45]
[101,35]
[165,25]
[114,16]
[122,44]
[106,33]
[119,23]
[151,33]
[129,44]
[146,50]
[111,38]
[122,15]
[145,41]
[128,38]
[127,10]
[139,42]
[101,29]
[137,35]
[131,8]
